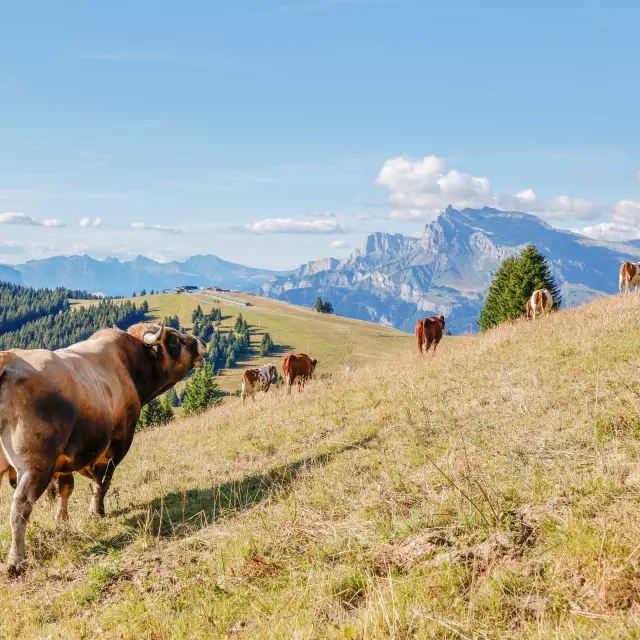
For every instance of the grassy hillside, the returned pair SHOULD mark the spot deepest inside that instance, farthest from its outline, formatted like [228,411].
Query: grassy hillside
[492,491]
[334,341]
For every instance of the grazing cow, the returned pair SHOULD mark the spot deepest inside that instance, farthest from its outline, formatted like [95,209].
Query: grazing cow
[541,303]
[298,366]
[257,379]
[76,409]
[629,276]
[432,331]
[420,334]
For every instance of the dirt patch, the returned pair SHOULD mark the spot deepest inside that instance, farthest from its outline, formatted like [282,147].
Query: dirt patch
[257,567]
[623,591]
[417,549]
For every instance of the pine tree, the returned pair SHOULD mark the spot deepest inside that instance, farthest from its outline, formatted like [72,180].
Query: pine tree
[143,292]
[201,392]
[172,397]
[197,314]
[166,409]
[514,282]
[492,313]
[319,305]
[266,345]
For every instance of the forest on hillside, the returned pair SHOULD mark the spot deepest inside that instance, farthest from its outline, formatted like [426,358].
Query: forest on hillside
[43,319]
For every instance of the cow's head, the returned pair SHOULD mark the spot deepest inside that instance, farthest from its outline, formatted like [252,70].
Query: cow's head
[172,353]
[272,370]
[314,362]
[441,318]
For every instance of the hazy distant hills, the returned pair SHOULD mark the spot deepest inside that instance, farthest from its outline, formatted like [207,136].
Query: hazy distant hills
[395,279]
[112,277]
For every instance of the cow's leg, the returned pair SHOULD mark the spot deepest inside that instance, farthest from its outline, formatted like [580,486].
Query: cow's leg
[31,485]
[101,475]
[64,488]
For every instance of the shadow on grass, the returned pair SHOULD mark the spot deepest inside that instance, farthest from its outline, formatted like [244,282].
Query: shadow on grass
[181,513]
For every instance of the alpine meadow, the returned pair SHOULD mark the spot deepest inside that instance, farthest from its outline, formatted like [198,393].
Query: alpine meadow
[375,504]
[320,320]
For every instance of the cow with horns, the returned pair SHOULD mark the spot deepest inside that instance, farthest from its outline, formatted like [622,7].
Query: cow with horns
[76,409]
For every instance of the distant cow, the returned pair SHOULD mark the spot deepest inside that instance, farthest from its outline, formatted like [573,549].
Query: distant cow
[258,379]
[76,409]
[298,366]
[629,276]
[540,303]
[429,332]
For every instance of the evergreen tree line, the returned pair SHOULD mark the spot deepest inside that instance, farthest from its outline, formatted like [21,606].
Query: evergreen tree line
[225,348]
[19,305]
[70,326]
[514,283]
[204,324]
[81,294]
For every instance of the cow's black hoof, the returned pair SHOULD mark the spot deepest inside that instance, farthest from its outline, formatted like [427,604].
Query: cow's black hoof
[15,570]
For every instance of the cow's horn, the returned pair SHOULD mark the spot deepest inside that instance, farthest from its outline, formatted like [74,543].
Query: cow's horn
[151,338]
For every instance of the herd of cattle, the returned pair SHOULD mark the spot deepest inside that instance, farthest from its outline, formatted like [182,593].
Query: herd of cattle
[75,410]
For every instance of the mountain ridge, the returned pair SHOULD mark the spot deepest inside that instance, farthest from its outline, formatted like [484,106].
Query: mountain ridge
[395,279]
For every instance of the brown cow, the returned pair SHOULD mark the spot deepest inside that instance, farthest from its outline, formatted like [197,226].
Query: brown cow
[420,334]
[76,409]
[629,276]
[540,303]
[432,331]
[298,366]
[256,379]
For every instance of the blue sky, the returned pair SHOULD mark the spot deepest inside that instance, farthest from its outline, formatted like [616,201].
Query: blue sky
[273,132]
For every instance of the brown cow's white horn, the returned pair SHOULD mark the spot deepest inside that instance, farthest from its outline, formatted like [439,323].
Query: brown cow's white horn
[151,338]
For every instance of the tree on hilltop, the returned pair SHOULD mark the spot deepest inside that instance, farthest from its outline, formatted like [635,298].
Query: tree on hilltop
[514,282]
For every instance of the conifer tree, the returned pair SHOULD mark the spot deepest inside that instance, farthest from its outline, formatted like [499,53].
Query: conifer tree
[201,392]
[172,397]
[514,282]
[157,411]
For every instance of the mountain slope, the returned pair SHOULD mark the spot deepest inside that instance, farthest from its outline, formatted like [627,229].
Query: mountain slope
[488,492]
[113,277]
[333,340]
[395,280]
[9,274]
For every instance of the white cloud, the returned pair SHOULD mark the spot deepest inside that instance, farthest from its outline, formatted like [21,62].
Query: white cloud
[424,186]
[293,225]
[627,212]
[609,231]
[11,248]
[420,189]
[322,214]
[23,218]
[143,226]
[89,222]
[340,244]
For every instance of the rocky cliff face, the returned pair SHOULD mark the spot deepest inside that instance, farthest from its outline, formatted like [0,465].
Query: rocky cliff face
[395,280]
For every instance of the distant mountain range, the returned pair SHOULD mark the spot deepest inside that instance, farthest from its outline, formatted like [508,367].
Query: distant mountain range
[112,277]
[393,279]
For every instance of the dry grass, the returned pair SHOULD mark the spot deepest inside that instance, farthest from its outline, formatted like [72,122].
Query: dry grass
[492,491]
